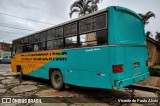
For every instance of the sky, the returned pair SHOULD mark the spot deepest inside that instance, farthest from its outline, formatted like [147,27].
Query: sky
[22,17]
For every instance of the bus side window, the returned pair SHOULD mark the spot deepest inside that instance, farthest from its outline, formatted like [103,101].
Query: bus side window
[102,37]
[36,47]
[49,45]
[71,42]
[51,34]
[58,44]
[88,39]
[19,49]
[70,33]
[94,38]
[13,51]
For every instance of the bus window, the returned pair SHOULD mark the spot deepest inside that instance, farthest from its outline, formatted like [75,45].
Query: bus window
[85,25]
[51,34]
[30,48]
[49,45]
[13,50]
[70,30]
[36,38]
[102,37]
[57,44]
[25,48]
[71,42]
[19,49]
[94,38]
[59,32]
[88,39]
[31,39]
[41,46]
[36,47]
[100,21]
[25,40]
[21,41]
[92,24]
[42,36]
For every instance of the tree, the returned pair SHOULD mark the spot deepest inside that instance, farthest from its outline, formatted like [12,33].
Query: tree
[157,36]
[148,33]
[83,7]
[147,16]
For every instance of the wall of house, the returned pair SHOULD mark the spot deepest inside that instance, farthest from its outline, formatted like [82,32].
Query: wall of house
[153,54]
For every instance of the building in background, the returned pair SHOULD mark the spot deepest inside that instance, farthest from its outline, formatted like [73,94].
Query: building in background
[5,51]
[153,52]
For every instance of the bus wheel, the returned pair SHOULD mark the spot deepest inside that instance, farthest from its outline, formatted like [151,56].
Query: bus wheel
[57,80]
[21,74]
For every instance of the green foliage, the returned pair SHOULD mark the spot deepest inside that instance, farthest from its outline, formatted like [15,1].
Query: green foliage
[147,16]
[148,33]
[154,71]
[83,7]
[158,36]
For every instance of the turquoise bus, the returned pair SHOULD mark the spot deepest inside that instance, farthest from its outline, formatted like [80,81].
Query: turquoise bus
[105,49]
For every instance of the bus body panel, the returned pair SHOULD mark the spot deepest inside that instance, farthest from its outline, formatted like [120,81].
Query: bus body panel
[13,65]
[126,32]
[79,68]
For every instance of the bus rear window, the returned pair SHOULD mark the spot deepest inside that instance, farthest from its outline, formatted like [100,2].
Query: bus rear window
[129,28]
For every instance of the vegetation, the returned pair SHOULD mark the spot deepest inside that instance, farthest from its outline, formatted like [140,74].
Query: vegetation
[154,71]
[158,36]
[83,7]
[148,33]
[147,16]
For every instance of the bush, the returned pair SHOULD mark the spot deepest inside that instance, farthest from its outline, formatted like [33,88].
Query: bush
[154,71]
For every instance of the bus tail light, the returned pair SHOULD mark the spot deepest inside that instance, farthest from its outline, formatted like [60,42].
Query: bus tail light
[146,63]
[117,68]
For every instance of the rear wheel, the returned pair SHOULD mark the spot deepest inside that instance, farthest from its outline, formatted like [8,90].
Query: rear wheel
[57,80]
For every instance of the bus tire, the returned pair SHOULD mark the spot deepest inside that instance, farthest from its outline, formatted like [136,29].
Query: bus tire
[21,77]
[57,80]
[21,73]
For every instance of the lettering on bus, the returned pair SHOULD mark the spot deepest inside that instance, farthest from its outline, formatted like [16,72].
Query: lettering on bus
[62,56]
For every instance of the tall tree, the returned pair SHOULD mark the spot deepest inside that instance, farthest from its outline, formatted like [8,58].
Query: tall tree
[157,36]
[83,7]
[147,16]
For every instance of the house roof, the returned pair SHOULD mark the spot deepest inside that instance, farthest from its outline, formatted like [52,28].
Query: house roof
[153,41]
[157,44]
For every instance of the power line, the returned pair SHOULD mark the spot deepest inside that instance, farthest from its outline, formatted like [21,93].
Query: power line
[11,32]
[24,18]
[15,27]
[24,4]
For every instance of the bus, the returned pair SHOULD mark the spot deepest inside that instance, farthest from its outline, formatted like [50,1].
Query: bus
[105,49]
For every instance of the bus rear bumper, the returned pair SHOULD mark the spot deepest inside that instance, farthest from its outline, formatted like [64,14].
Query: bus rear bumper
[129,81]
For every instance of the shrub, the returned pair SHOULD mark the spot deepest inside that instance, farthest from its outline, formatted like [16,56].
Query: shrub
[154,71]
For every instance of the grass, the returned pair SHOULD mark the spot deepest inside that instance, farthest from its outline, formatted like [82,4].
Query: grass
[158,67]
